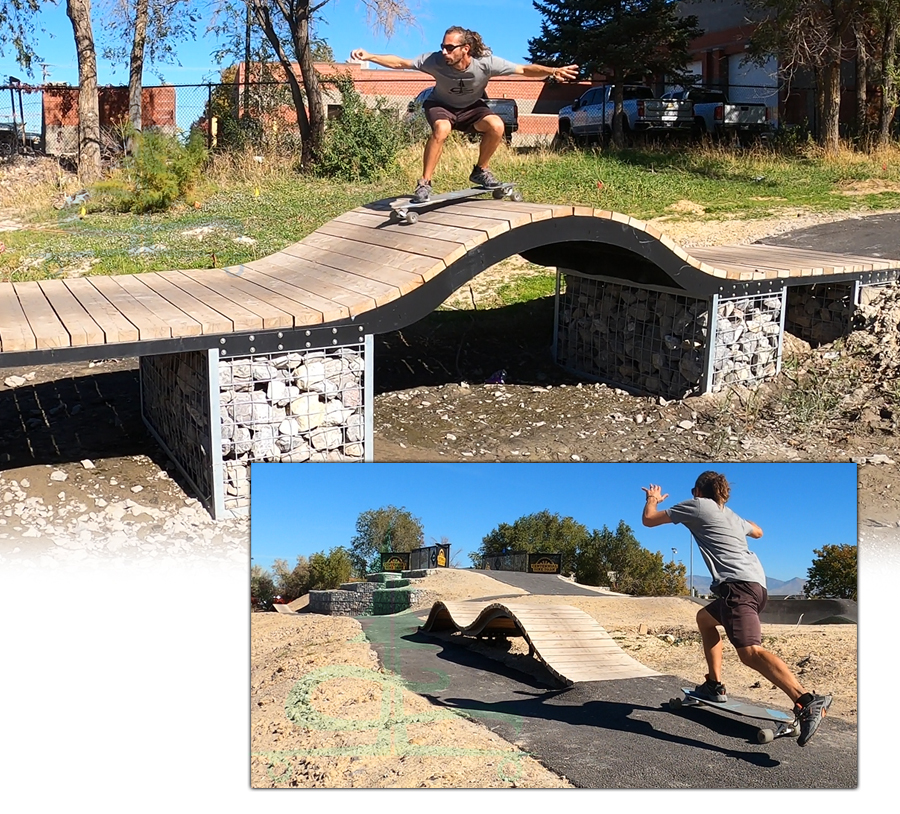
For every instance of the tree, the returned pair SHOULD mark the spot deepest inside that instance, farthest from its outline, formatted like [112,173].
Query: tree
[153,26]
[331,570]
[808,34]
[833,572]
[636,570]
[262,586]
[541,532]
[381,530]
[617,39]
[287,25]
[292,583]
[17,29]
[79,13]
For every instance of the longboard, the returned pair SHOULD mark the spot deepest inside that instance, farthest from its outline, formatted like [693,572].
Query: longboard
[786,725]
[404,211]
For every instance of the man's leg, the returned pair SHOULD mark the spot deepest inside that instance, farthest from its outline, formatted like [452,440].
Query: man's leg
[434,147]
[712,643]
[773,668]
[492,130]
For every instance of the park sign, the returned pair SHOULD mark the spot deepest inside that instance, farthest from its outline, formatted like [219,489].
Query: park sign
[544,563]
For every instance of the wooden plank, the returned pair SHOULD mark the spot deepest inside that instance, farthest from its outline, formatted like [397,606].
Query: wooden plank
[442,219]
[314,284]
[275,310]
[428,267]
[207,317]
[149,325]
[116,328]
[467,237]
[347,271]
[15,332]
[48,330]
[444,250]
[486,209]
[179,323]
[81,328]
[242,318]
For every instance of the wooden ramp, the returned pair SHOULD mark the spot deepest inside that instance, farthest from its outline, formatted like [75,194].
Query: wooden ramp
[570,643]
[364,273]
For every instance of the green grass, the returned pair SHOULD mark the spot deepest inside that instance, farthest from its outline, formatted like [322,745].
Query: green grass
[274,206]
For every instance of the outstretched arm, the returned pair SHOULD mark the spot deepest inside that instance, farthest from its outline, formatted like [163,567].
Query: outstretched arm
[756,531]
[652,516]
[567,73]
[385,60]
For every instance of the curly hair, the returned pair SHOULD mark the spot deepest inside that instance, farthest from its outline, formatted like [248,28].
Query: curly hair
[714,486]
[477,48]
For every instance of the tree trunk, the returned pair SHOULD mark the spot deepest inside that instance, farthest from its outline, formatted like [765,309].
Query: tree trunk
[862,81]
[831,107]
[889,86]
[313,91]
[136,66]
[79,12]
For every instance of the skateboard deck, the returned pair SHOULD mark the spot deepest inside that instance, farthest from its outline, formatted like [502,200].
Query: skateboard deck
[404,211]
[785,723]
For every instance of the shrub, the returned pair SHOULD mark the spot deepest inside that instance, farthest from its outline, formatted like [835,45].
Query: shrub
[361,142]
[160,170]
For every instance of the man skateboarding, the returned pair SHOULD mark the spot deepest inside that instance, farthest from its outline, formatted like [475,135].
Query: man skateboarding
[461,71]
[738,582]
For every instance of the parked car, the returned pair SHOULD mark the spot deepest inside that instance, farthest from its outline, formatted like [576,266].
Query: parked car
[591,115]
[506,109]
[716,116]
[11,139]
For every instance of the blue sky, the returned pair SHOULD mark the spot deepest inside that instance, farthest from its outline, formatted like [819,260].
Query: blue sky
[505,25]
[300,509]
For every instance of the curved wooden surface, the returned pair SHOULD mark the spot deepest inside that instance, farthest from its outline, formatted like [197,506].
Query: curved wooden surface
[360,268]
[570,643]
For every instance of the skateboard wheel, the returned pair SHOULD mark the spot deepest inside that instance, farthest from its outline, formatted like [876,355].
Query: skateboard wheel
[674,703]
[499,193]
[764,736]
[516,196]
[412,217]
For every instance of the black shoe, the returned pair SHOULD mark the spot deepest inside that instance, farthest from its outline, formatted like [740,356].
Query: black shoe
[810,709]
[423,192]
[484,178]
[712,691]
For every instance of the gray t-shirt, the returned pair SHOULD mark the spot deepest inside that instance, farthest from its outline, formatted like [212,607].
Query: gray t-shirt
[721,536]
[455,88]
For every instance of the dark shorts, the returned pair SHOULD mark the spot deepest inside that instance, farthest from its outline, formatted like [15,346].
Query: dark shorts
[460,118]
[737,608]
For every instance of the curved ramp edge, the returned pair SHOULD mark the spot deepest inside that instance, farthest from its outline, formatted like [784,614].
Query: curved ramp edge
[570,643]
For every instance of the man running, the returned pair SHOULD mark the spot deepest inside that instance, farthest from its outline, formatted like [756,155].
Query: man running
[738,581]
[461,71]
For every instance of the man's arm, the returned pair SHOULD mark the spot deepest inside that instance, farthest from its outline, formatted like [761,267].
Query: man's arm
[567,73]
[385,60]
[755,531]
[652,516]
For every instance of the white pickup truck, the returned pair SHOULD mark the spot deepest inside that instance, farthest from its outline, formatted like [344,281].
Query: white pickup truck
[715,115]
[592,114]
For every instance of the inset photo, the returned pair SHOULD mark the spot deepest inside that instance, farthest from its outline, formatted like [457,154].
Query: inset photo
[437,625]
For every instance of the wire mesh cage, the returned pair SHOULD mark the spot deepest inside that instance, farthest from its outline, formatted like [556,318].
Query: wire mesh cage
[215,416]
[644,338]
[820,313]
[748,339]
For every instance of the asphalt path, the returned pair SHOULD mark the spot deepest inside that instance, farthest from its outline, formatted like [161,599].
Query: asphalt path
[607,734]
[875,235]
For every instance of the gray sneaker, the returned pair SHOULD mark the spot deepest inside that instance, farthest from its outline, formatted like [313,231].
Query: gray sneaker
[810,710]
[712,691]
[484,178]
[423,192]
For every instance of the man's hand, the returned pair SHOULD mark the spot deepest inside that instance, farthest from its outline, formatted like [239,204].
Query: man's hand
[566,74]
[360,55]
[654,493]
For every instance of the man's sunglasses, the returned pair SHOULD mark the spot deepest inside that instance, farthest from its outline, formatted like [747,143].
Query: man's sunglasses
[450,48]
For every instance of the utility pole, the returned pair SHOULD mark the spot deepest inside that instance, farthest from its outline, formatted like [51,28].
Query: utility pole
[246,110]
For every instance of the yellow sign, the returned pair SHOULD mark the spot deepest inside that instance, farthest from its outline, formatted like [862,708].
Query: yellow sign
[544,567]
[394,564]
[441,560]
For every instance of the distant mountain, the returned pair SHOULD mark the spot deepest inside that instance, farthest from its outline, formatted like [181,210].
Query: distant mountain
[775,587]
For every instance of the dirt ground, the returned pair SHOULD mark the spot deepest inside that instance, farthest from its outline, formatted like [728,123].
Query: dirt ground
[319,716]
